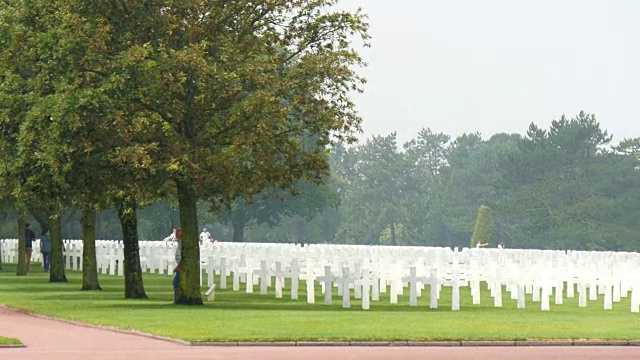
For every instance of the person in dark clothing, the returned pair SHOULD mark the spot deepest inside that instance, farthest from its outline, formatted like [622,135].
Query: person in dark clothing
[176,270]
[29,237]
[45,249]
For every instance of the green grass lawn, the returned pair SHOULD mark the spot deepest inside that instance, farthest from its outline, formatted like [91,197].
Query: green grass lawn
[9,341]
[237,316]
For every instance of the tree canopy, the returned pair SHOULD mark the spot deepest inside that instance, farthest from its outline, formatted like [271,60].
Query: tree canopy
[216,98]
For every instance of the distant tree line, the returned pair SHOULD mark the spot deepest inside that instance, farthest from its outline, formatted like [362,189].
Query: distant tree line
[566,187]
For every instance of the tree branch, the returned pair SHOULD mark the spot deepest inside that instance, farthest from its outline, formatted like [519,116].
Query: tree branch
[152,109]
[102,73]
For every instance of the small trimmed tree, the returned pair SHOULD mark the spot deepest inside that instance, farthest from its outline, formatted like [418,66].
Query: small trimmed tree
[483,231]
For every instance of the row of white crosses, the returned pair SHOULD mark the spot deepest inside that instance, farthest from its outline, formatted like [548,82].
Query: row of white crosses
[523,272]
[9,251]
[371,270]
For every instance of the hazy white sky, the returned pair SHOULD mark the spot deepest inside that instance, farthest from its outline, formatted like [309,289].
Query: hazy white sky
[497,65]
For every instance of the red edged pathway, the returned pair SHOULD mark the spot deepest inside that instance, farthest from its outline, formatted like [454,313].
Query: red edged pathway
[49,339]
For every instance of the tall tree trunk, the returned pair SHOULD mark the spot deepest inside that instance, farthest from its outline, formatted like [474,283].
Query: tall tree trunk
[295,230]
[189,289]
[22,259]
[393,233]
[238,229]
[3,217]
[89,263]
[133,284]
[300,227]
[41,217]
[56,274]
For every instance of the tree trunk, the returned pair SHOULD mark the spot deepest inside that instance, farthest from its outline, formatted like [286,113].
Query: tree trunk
[56,273]
[300,227]
[133,284]
[22,259]
[238,230]
[393,233]
[296,229]
[89,263]
[189,289]
[3,216]
[42,218]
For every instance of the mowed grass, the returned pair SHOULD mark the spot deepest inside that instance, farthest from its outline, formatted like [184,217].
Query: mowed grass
[9,341]
[238,316]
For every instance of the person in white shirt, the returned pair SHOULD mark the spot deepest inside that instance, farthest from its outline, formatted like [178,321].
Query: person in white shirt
[171,238]
[501,245]
[205,236]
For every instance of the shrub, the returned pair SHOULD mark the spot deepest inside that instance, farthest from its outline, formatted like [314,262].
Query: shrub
[482,233]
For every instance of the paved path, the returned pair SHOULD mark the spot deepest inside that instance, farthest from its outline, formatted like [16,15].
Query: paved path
[56,340]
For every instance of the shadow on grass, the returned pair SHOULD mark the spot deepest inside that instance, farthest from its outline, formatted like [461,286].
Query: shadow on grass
[158,289]
[235,301]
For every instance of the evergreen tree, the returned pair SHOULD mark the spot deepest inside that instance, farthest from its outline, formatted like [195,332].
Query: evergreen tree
[483,232]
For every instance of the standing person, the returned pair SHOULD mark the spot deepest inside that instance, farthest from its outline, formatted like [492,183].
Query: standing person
[29,237]
[171,238]
[481,244]
[45,248]
[501,245]
[205,236]
[178,258]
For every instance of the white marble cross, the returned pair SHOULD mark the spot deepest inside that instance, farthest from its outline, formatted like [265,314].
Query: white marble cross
[294,274]
[570,287]
[375,290]
[544,297]
[211,293]
[434,282]
[394,290]
[475,288]
[617,290]
[582,294]
[278,272]
[535,293]
[345,282]
[608,296]
[413,281]
[357,273]
[310,278]
[236,279]
[593,289]
[249,278]
[635,298]
[521,295]
[210,270]
[223,272]
[456,282]
[265,277]
[559,292]
[367,282]
[496,290]
[326,281]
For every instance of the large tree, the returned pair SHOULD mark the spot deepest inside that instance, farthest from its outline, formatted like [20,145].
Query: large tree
[426,159]
[51,101]
[376,181]
[78,143]
[26,89]
[556,184]
[221,79]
